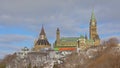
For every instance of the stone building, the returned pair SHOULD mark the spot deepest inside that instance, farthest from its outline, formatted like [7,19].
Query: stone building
[93,30]
[41,42]
[81,41]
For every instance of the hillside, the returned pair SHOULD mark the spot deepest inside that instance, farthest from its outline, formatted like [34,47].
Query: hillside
[104,56]
[7,59]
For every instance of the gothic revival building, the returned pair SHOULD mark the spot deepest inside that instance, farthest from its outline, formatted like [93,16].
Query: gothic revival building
[82,41]
[93,30]
[41,42]
[71,43]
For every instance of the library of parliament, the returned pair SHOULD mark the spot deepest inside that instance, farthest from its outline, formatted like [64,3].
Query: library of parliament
[70,43]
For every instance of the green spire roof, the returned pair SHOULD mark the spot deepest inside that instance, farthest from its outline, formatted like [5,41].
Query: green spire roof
[93,15]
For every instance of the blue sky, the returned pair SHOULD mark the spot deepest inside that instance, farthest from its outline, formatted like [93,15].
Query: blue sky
[21,20]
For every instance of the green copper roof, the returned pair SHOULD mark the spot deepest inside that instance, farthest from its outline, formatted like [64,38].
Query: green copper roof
[69,38]
[93,15]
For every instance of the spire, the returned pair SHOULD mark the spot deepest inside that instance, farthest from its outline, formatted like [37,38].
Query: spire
[42,31]
[93,19]
[93,15]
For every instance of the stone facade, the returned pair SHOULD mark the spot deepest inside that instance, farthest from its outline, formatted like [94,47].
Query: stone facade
[82,41]
[93,30]
[74,42]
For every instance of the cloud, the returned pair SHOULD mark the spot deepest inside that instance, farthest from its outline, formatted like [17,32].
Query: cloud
[45,11]
[9,47]
[109,28]
[10,43]
[71,16]
[14,42]
[14,38]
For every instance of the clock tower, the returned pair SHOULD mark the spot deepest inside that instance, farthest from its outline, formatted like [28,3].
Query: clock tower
[93,30]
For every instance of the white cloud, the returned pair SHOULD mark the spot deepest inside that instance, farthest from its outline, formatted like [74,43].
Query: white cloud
[71,16]
[11,38]
[65,14]
[109,28]
[10,43]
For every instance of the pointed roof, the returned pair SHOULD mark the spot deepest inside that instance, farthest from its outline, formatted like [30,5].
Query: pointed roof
[93,15]
[42,31]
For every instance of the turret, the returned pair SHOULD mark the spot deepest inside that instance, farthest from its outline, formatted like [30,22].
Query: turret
[57,36]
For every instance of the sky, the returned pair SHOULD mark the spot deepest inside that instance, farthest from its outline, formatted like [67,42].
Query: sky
[21,20]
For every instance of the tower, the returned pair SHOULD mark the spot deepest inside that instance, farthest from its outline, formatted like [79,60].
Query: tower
[57,36]
[93,30]
[42,41]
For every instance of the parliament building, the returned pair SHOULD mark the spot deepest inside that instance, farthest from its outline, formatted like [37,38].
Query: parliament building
[82,42]
[70,43]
